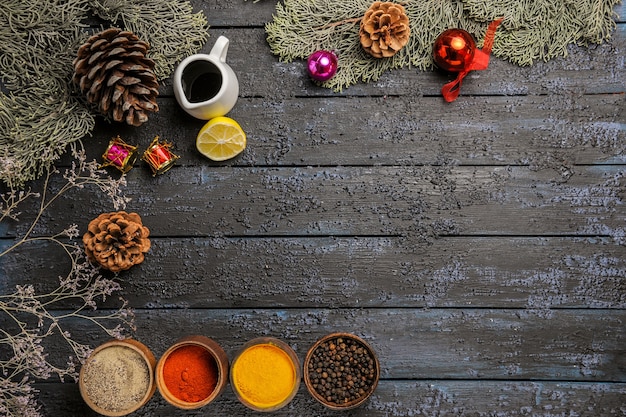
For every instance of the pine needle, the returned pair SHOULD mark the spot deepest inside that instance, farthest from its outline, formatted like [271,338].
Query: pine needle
[40,110]
[542,30]
[533,30]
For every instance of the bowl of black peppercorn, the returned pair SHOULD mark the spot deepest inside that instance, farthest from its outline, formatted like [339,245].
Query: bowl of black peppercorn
[341,371]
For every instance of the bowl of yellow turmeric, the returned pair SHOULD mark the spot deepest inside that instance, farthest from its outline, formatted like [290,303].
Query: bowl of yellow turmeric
[265,374]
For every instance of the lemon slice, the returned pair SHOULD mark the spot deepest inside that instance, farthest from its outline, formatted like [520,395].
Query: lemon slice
[221,138]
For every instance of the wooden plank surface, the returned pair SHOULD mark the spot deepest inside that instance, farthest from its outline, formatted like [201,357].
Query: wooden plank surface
[417,202]
[479,246]
[540,131]
[406,398]
[531,273]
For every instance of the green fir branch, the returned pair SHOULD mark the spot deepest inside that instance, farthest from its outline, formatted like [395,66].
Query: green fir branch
[40,110]
[170,27]
[532,30]
[543,30]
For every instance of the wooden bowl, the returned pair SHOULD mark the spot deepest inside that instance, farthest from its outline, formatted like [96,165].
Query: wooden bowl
[221,363]
[107,363]
[310,372]
[238,369]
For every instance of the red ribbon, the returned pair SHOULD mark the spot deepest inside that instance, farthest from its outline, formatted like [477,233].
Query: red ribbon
[451,90]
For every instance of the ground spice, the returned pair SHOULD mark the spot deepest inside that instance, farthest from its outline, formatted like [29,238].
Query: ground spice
[190,373]
[264,375]
[116,378]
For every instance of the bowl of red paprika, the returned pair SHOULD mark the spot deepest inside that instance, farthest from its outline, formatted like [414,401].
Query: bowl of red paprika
[192,372]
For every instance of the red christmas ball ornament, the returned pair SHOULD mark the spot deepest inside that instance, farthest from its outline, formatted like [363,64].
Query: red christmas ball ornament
[454,50]
[322,65]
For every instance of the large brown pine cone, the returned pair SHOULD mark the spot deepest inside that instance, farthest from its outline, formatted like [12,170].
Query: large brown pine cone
[117,240]
[112,70]
[384,29]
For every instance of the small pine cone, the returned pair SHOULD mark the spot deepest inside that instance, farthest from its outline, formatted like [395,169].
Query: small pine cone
[117,240]
[384,29]
[112,70]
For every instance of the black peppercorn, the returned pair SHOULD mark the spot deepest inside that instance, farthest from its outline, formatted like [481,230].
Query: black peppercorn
[341,370]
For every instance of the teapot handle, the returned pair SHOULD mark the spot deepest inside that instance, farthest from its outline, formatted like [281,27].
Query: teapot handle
[220,49]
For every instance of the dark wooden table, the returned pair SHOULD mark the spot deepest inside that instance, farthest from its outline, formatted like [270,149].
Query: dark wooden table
[479,246]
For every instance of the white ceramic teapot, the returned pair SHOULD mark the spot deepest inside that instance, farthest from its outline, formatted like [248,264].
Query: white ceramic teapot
[205,86]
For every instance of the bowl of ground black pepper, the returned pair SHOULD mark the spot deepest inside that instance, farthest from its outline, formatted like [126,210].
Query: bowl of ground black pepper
[192,372]
[341,371]
[118,377]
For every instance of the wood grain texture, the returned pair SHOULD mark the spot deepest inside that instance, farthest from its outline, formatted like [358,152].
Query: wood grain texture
[404,398]
[417,202]
[554,132]
[479,246]
[534,274]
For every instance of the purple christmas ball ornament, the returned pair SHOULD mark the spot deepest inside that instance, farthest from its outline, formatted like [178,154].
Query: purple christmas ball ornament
[322,65]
